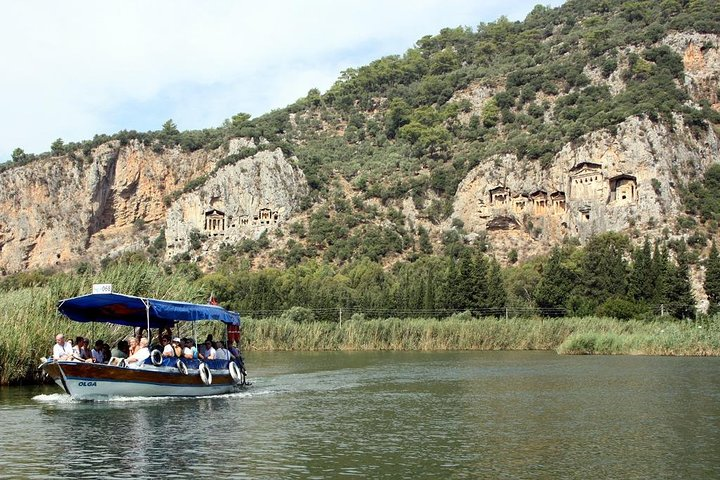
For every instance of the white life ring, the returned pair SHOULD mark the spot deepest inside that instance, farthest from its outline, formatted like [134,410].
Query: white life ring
[205,373]
[182,367]
[156,358]
[235,372]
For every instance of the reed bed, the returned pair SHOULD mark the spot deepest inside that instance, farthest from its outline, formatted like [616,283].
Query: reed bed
[589,335]
[29,320]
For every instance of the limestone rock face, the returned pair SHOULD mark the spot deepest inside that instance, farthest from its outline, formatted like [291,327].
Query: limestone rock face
[608,181]
[73,208]
[701,60]
[240,201]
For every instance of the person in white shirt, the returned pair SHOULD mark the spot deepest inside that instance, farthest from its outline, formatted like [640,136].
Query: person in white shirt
[62,350]
[141,355]
[168,350]
[209,353]
[80,350]
[190,352]
[97,352]
[221,353]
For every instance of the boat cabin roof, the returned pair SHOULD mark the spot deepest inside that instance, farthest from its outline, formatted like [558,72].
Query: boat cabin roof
[134,311]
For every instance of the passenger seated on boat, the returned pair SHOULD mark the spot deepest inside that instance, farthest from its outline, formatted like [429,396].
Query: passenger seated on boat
[121,350]
[141,355]
[203,346]
[221,353]
[97,353]
[80,350]
[177,348]
[106,352]
[209,353]
[167,347]
[190,352]
[132,346]
[62,350]
[234,352]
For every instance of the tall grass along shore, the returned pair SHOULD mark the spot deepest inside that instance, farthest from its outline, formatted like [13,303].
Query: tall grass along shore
[588,335]
[29,322]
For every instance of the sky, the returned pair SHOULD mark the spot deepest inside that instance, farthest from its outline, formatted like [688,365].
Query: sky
[77,68]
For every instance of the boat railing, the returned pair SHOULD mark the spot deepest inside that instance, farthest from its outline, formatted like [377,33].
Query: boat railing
[192,364]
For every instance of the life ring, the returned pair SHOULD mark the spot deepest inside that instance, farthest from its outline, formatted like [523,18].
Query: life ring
[235,373]
[122,363]
[156,358]
[205,373]
[182,367]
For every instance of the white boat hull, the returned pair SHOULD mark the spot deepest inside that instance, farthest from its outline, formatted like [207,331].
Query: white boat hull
[89,381]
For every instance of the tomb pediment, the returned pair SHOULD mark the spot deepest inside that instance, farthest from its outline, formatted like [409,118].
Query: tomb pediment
[585,166]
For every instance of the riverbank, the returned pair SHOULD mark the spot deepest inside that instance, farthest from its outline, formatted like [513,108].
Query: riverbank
[29,323]
[578,336]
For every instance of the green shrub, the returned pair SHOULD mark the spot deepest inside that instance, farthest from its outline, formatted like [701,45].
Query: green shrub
[298,315]
[619,308]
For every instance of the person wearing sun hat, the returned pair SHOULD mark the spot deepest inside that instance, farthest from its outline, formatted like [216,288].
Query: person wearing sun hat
[177,347]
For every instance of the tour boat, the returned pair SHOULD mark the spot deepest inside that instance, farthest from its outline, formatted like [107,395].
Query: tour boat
[156,376]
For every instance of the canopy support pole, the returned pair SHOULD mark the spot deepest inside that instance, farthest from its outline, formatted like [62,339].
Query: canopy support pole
[195,341]
[147,314]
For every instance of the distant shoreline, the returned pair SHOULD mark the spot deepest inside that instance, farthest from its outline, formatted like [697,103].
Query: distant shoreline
[569,336]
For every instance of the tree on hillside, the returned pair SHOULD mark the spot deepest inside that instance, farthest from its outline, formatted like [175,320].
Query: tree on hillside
[424,241]
[169,128]
[18,155]
[58,147]
[240,119]
[712,280]
[398,114]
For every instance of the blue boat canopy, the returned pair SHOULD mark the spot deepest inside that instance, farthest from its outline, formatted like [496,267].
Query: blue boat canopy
[139,312]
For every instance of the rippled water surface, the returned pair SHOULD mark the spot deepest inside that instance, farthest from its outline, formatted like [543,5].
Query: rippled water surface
[389,415]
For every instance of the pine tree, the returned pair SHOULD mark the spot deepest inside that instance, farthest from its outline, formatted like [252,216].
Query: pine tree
[659,272]
[479,280]
[712,280]
[681,303]
[556,285]
[641,283]
[429,290]
[452,292]
[496,295]
[424,238]
[603,272]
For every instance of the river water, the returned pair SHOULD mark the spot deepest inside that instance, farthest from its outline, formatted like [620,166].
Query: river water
[389,415]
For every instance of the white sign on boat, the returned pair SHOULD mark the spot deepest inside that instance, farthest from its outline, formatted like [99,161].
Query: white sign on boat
[102,288]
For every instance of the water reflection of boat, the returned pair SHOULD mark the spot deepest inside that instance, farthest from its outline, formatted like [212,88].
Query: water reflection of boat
[156,376]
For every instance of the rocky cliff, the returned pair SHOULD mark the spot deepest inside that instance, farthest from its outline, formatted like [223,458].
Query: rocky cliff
[240,201]
[607,181]
[64,210]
